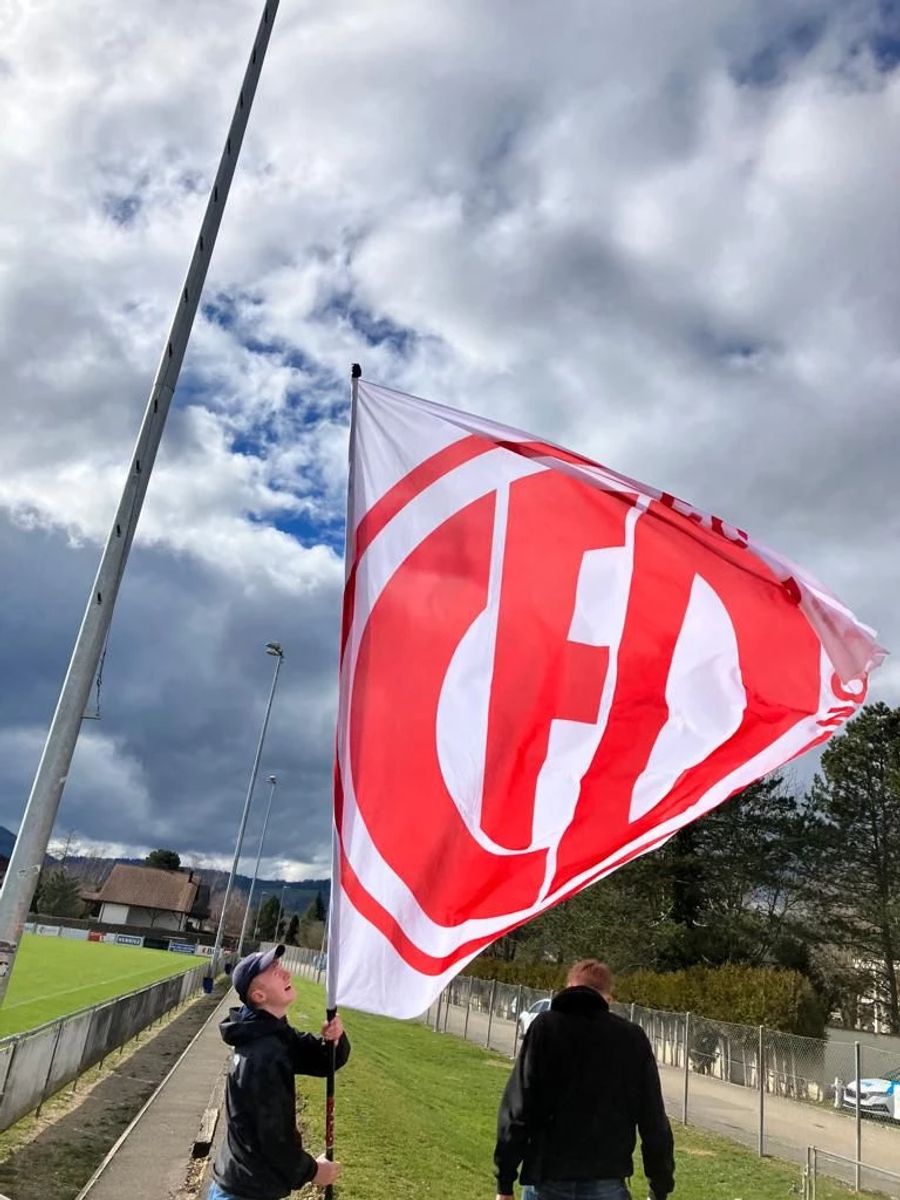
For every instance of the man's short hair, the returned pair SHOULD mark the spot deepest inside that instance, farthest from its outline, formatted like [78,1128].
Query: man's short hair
[590,972]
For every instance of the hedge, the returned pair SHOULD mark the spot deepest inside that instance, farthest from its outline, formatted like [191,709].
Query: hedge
[531,974]
[779,999]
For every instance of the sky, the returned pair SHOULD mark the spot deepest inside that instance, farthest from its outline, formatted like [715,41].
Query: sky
[668,240]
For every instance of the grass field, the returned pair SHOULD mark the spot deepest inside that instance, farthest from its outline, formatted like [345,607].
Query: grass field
[55,976]
[415,1118]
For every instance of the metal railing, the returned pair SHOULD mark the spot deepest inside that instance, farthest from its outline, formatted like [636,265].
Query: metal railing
[310,964]
[822,1165]
[37,1063]
[778,1088]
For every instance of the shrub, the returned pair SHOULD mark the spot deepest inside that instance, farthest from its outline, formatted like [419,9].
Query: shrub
[777,998]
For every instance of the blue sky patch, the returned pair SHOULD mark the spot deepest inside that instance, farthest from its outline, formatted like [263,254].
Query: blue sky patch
[123,209]
[377,331]
[885,41]
[767,65]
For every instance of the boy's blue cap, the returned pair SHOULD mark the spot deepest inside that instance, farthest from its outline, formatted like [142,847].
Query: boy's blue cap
[251,966]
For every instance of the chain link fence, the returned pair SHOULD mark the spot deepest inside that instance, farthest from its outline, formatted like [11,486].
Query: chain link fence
[309,964]
[774,1092]
[36,1064]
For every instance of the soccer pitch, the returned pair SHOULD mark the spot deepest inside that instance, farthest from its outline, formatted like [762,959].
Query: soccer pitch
[55,976]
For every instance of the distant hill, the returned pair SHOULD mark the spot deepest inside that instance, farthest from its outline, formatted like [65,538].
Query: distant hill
[297,897]
[8,842]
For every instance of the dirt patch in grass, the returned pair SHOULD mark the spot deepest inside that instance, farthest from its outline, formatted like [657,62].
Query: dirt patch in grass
[56,1154]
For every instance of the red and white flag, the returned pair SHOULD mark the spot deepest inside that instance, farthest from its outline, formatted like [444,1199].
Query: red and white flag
[547,669]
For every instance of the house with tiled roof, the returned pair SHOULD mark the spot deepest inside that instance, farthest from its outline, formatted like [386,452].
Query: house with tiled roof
[151,898]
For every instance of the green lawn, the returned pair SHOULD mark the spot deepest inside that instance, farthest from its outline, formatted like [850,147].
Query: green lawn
[415,1115]
[54,976]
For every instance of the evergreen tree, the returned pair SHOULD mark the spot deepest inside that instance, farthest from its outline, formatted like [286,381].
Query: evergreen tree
[293,931]
[724,889]
[268,918]
[166,860]
[854,808]
[60,895]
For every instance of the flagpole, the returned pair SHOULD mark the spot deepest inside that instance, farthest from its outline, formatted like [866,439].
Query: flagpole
[53,768]
[277,652]
[272,781]
[331,1009]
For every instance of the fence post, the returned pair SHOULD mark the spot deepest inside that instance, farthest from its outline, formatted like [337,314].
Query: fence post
[447,995]
[687,1065]
[518,1016]
[9,1066]
[37,1111]
[857,1067]
[487,1042]
[468,1010]
[761,1072]
[815,1170]
[807,1173]
[437,1014]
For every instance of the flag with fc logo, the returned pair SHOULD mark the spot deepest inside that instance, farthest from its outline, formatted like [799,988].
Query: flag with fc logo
[547,669]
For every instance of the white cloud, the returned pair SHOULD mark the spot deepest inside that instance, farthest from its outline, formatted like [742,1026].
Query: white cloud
[104,773]
[670,241]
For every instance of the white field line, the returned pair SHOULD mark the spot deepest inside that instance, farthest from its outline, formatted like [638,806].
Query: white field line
[87,987]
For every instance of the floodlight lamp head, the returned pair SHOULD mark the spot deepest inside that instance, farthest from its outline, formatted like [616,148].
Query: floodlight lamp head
[271,779]
[274,648]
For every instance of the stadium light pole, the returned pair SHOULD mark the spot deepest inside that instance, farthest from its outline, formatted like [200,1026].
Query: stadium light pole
[62,736]
[276,651]
[263,896]
[273,782]
[280,911]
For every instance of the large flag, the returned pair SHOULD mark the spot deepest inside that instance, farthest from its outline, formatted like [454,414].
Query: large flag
[547,669]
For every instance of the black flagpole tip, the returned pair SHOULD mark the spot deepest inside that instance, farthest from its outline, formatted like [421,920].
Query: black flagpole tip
[355,371]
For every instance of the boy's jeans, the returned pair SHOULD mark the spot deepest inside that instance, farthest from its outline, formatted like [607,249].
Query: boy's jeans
[217,1193]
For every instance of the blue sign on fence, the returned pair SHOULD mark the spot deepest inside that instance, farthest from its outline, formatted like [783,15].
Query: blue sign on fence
[126,939]
[182,947]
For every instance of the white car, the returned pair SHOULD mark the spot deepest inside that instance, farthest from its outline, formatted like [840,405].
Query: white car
[877,1097]
[529,1014]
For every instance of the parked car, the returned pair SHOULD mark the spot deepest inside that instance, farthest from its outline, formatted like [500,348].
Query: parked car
[529,1014]
[878,1097]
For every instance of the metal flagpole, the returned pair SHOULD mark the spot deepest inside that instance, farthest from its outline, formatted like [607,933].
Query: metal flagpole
[262,837]
[276,651]
[53,769]
[280,912]
[331,1012]
[258,915]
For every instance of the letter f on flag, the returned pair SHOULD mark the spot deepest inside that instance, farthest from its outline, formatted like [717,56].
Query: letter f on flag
[547,669]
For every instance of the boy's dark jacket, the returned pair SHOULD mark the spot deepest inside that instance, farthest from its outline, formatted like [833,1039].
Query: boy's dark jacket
[262,1157]
[584,1080]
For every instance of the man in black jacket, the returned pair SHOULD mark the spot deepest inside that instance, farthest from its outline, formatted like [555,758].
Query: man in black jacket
[584,1081]
[262,1157]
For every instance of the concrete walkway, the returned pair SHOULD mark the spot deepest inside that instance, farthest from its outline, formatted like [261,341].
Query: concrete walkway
[150,1160]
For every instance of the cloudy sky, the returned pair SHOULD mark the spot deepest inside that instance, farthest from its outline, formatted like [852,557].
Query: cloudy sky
[664,234]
